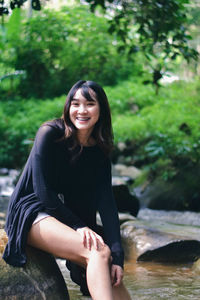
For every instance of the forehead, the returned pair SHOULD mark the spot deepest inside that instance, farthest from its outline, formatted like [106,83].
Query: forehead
[85,94]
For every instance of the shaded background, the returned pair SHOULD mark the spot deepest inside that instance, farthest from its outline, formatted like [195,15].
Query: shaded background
[144,53]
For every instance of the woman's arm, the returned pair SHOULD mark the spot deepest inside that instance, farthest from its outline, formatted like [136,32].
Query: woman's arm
[109,214]
[43,157]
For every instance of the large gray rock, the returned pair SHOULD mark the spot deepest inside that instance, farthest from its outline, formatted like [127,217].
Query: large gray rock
[160,242]
[39,279]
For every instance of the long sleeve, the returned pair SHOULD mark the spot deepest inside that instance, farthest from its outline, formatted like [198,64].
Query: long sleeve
[43,168]
[109,214]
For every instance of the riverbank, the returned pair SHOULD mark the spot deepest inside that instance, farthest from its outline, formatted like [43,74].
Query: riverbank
[149,280]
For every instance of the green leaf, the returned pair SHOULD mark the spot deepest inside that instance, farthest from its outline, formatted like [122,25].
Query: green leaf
[14,25]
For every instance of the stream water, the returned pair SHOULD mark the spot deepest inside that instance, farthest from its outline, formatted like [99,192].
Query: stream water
[153,281]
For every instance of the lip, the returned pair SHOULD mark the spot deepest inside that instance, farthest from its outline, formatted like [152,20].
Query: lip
[83,119]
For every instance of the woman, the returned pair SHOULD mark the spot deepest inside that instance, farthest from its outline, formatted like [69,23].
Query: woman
[66,179]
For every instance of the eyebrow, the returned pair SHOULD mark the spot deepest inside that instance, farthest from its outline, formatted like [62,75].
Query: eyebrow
[74,99]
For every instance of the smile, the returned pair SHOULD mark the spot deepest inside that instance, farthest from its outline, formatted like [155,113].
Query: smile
[82,119]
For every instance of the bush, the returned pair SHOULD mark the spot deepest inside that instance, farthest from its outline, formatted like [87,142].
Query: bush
[19,122]
[163,131]
[165,127]
[57,48]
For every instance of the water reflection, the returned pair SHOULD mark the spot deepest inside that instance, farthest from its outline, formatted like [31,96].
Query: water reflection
[151,281]
[156,281]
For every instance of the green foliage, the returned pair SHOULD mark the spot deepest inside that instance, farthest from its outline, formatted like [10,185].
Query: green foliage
[19,121]
[167,129]
[164,131]
[14,25]
[57,48]
[157,28]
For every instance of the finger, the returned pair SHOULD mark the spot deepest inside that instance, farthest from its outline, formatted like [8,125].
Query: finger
[88,240]
[94,240]
[100,240]
[118,278]
[113,279]
[84,239]
[81,232]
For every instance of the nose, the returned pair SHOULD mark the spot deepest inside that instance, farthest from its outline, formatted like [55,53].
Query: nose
[82,109]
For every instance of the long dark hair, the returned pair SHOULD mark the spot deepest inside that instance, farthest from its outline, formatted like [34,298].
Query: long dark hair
[102,132]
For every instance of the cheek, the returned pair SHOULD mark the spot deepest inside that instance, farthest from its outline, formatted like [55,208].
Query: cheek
[71,113]
[97,112]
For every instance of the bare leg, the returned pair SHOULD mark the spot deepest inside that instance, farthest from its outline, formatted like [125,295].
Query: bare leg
[121,293]
[60,240]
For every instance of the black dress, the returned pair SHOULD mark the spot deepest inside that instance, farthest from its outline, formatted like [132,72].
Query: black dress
[49,173]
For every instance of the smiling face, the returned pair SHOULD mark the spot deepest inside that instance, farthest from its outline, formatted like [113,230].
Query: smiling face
[84,113]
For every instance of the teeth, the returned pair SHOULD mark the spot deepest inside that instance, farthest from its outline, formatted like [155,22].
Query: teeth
[82,119]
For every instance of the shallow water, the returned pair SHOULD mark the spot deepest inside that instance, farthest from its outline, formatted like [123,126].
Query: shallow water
[156,281]
[151,281]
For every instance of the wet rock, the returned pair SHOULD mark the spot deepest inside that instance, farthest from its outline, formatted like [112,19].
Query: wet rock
[125,201]
[160,242]
[39,279]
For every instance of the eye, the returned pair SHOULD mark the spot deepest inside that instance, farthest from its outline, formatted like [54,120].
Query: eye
[74,103]
[91,103]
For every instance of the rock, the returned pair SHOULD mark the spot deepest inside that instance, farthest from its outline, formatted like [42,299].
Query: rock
[160,242]
[196,266]
[122,170]
[7,182]
[39,279]
[117,180]
[181,193]
[125,201]
[185,251]
[124,217]
[3,209]
[121,146]
[4,171]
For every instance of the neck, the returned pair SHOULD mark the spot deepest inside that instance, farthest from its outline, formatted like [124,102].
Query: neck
[85,139]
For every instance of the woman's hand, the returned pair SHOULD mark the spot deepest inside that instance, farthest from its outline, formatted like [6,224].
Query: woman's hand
[90,238]
[117,274]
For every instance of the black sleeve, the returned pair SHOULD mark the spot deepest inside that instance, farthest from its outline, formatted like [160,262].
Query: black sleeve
[43,168]
[109,214]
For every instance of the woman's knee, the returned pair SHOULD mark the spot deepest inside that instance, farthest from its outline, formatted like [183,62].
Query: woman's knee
[103,254]
[106,253]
